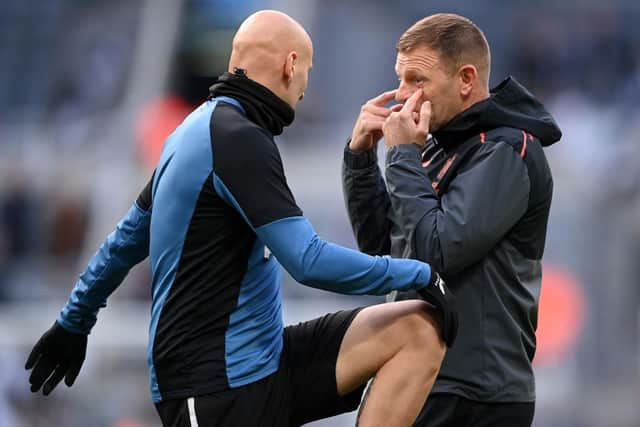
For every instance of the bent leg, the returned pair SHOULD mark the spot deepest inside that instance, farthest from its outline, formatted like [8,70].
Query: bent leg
[399,344]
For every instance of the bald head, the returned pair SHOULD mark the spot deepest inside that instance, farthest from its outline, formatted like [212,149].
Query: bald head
[274,50]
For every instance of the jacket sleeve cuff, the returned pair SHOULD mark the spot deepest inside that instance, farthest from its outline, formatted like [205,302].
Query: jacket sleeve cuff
[403,152]
[361,160]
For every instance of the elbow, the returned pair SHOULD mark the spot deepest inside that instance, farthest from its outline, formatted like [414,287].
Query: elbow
[436,248]
[442,261]
[430,251]
[433,255]
[307,274]
[299,275]
[299,270]
[306,269]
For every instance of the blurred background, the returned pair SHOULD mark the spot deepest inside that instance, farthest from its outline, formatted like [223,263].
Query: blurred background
[89,90]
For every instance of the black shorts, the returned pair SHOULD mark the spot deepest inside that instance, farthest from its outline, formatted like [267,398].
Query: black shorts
[303,389]
[443,410]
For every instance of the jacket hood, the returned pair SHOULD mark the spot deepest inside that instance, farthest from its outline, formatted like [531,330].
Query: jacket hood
[510,105]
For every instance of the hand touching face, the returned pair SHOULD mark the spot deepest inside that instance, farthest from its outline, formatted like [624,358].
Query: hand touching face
[368,128]
[405,126]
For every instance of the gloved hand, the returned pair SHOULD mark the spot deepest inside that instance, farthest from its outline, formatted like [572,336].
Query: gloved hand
[58,352]
[438,295]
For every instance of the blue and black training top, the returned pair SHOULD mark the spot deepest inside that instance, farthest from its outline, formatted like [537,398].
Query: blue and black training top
[218,220]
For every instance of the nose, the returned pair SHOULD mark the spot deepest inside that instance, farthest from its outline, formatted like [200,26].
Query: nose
[403,93]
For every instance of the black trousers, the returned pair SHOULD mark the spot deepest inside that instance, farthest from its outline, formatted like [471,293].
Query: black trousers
[450,410]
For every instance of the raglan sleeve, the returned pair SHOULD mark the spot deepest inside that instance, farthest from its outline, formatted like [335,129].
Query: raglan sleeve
[125,247]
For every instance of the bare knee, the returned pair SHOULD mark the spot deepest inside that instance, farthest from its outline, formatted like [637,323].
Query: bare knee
[380,333]
[418,331]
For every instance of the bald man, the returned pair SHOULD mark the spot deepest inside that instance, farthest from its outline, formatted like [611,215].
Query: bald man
[217,221]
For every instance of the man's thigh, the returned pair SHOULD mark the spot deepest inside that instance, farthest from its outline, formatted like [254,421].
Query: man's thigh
[377,333]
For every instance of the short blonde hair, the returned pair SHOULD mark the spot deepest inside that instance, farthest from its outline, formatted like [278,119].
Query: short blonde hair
[458,41]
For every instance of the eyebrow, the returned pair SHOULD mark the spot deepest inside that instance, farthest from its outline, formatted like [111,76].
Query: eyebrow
[411,69]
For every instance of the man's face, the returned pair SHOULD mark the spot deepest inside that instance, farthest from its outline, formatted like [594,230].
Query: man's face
[421,68]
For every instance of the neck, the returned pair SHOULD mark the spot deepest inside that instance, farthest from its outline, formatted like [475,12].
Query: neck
[267,82]
[258,75]
[262,106]
[475,98]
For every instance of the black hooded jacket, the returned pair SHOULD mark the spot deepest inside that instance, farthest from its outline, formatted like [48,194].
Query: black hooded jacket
[474,203]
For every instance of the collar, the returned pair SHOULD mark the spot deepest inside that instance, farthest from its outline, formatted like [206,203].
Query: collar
[258,103]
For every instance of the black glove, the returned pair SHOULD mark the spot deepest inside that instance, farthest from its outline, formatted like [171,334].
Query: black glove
[58,352]
[438,295]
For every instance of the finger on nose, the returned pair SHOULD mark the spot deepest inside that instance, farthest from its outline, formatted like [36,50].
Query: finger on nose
[411,103]
[385,97]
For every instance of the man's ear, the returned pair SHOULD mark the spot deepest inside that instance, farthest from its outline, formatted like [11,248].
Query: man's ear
[468,77]
[290,66]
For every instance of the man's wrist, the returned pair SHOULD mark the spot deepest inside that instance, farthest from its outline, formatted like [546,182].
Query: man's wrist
[359,159]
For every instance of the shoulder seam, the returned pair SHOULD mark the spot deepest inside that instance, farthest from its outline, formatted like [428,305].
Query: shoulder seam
[248,126]
[518,139]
